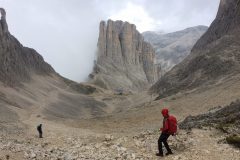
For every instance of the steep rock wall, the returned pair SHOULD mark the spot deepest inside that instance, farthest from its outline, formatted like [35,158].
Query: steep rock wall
[124,59]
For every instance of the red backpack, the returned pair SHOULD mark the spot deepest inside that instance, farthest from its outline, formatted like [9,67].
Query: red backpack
[172,123]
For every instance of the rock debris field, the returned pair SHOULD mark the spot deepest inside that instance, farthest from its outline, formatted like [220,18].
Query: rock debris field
[197,144]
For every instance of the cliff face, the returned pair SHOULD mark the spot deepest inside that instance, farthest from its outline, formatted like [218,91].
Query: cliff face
[124,59]
[214,57]
[172,48]
[16,61]
[227,22]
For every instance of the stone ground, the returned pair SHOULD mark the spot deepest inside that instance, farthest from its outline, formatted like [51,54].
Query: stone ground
[195,145]
[128,132]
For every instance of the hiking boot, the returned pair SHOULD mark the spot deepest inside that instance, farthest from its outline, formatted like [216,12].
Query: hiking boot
[159,154]
[168,153]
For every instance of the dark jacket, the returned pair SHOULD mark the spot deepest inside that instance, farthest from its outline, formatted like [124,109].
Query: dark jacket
[39,128]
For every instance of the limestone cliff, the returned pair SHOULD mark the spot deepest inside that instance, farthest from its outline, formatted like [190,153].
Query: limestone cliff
[124,59]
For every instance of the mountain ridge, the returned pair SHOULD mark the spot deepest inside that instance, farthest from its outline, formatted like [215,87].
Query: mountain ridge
[172,48]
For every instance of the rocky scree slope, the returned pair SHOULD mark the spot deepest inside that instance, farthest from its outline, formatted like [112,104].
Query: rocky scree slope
[215,56]
[172,48]
[226,119]
[198,144]
[124,60]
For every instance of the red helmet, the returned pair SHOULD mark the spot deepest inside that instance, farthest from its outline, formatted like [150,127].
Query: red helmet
[165,112]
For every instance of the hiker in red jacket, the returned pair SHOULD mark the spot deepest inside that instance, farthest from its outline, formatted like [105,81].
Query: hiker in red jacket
[164,135]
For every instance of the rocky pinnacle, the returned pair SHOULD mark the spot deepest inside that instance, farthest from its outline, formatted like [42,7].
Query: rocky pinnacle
[122,51]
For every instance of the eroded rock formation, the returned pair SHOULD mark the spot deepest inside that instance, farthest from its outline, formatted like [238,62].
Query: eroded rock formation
[124,59]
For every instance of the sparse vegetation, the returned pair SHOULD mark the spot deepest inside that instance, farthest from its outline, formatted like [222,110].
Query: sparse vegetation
[234,140]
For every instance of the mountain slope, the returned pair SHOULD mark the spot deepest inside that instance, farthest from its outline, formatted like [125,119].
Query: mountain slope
[16,61]
[172,48]
[30,88]
[213,59]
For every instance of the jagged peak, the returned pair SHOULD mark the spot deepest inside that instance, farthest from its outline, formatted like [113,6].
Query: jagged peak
[4,26]
[3,13]
[120,22]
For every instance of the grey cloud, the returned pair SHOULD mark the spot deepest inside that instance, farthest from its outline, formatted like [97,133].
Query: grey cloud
[179,14]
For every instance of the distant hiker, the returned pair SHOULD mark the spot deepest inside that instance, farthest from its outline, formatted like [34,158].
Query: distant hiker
[7,157]
[169,128]
[39,128]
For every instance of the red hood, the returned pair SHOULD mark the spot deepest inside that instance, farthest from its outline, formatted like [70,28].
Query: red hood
[165,112]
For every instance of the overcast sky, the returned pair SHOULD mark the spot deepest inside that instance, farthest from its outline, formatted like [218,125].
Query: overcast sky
[65,32]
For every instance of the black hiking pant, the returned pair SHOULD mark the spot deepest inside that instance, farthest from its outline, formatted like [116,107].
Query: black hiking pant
[163,139]
[40,133]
